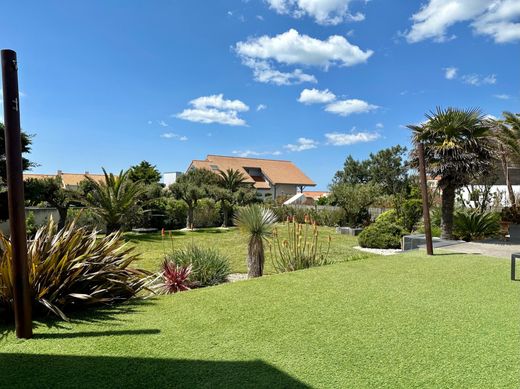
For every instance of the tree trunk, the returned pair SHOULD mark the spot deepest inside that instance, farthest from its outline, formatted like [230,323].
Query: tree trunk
[225,215]
[63,217]
[511,193]
[189,219]
[255,258]
[112,227]
[448,205]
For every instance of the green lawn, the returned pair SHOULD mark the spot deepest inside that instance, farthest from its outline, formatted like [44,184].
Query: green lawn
[404,321]
[231,243]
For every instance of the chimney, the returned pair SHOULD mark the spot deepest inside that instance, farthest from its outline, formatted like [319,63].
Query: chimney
[59,173]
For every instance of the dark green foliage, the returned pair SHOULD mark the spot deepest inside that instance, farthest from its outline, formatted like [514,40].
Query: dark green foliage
[411,213]
[387,168]
[355,200]
[175,212]
[26,148]
[30,225]
[470,226]
[207,214]
[331,217]
[51,192]
[84,217]
[72,268]
[381,235]
[511,214]
[208,265]
[145,173]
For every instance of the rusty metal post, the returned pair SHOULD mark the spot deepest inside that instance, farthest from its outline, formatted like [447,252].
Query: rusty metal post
[14,162]
[424,195]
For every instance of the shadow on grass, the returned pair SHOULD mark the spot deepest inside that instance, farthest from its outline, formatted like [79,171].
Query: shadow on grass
[95,334]
[58,371]
[90,315]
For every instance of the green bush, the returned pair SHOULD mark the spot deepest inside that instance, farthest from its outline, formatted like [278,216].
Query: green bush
[176,212]
[85,218]
[331,217]
[411,213]
[207,214]
[381,235]
[72,268]
[470,226]
[30,224]
[208,265]
[389,216]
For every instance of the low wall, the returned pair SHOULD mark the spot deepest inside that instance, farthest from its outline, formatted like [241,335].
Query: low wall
[41,215]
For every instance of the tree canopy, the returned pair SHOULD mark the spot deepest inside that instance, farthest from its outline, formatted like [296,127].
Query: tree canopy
[145,173]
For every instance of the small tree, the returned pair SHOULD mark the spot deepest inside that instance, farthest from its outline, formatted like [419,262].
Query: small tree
[51,191]
[233,190]
[458,149]
[257,223]
[355,200]
[193,186]
[114,199]
[145,173]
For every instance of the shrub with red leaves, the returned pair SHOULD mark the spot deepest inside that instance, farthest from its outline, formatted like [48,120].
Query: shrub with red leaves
[175,277]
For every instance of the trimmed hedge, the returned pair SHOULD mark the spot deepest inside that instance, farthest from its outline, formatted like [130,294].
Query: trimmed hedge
[381,235]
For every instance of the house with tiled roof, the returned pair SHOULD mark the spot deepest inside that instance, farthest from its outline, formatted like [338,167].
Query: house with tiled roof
[69,180]
[271,177]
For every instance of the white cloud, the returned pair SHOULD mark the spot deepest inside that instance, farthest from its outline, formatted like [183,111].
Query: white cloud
[214,109]
[349,107]
[162,123]
[261,107]
[379,125]
[302,144]
[315,96]
[171,135]
[478,80]
[251,153]
[150,122]
[218,102]
[292,49]
[326,12]
[260,17]
[497,19]
[450,73]
[502,96]
[345,139]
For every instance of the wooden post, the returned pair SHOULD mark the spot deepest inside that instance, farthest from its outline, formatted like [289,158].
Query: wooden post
[424,193]
[16,206]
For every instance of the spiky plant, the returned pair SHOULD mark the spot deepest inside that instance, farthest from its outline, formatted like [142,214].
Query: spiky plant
[176,277]
[113,199]
[475,225]
[458,148]
[71,267]
[257,223]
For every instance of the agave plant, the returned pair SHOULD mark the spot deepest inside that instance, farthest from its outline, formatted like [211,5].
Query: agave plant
[257,222]
[474,225]
[175,277]
[71,268]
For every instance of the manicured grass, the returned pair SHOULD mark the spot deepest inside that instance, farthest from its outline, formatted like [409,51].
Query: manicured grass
[405,321]
[230,242]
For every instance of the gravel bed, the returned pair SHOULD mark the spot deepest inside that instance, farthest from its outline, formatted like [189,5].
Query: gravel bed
[379,251]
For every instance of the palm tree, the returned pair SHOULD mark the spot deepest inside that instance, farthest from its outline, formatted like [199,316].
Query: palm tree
[231,181]
[114,199]
[507,133]
[458,148]
[257,222]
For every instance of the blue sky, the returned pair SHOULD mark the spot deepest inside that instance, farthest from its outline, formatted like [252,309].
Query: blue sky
[311,81]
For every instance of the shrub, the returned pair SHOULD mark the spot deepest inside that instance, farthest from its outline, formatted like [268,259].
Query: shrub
[470,226]
[389,216]
[72,268]
[175,277]
[411,213]
[84,217]
[331,217]
[301,249]
[208,266]
[207,214]
[176,212]
[511,214]
[381,235]
[30,224]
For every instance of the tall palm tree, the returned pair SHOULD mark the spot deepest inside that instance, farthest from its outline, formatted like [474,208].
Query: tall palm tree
[113,199]
[230,180]
[257,222]
[507,133]
[458,148]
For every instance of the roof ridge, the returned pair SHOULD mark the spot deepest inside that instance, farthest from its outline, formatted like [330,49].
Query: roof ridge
[263,159]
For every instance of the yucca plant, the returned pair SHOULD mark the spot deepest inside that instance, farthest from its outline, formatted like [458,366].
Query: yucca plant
[470,226]
[176,277]
[302,248]
[257,223]
[71,268]
[209,266]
